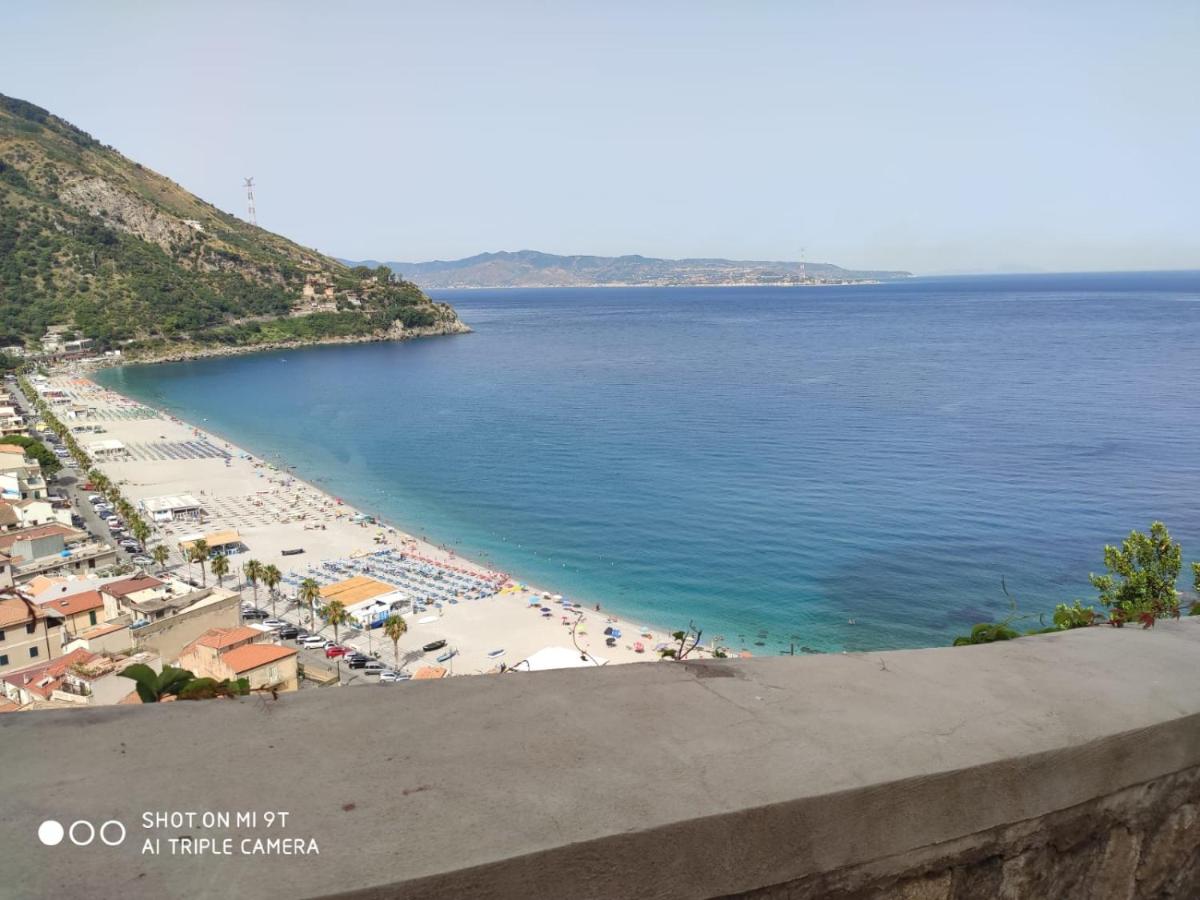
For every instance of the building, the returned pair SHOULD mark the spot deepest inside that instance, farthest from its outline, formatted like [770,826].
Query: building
[166,615]
[28,633]
[20,477]
[109,448]
[232,653]
[16,514]
[11,420]
[176,508]
[78,678]
[111,638]
[80,612]
[226,541]
[51,548]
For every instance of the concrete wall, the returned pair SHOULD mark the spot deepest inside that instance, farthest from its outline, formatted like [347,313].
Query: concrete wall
[1062,766]
[168,636]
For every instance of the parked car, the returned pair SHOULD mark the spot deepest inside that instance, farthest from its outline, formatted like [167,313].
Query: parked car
[290,631]
[387,676]
[359,662]
[275,623]
[131,546]
[142,560]
[433,645]
[373,667]
[334,652]
[313,642]
[255,614]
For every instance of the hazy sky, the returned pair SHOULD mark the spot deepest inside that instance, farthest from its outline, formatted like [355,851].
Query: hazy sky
[957,136]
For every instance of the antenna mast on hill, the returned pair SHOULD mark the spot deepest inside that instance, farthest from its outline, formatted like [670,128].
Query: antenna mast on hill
[803,273]
[250,200]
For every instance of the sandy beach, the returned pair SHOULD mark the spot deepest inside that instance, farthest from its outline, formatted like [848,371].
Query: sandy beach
[273,511]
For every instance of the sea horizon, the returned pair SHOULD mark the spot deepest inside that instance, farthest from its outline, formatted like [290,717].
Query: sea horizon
[849,467]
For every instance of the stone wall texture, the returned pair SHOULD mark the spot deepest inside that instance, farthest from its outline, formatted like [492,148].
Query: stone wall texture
[1135,844]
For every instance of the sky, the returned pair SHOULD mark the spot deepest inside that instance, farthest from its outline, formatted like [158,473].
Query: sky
[929,136]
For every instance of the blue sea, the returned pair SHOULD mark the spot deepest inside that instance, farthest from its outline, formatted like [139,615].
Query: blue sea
[835,468]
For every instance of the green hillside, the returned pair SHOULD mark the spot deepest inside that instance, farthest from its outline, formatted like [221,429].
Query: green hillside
[118,253]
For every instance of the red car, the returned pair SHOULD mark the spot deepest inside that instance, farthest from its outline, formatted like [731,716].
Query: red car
[331,652]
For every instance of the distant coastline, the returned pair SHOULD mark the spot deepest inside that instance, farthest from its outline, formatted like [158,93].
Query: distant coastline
[534,269]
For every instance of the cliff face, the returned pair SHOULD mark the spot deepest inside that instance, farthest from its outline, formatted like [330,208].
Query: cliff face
[115,252]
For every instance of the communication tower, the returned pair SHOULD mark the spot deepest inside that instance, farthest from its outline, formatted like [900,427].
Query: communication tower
[250,201]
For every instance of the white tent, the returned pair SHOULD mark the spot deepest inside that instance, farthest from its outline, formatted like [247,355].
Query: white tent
[557,658]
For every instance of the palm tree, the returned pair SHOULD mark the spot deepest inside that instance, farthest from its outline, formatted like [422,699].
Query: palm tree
[271,578]
[253,570]
[199,553]
[141,531]
[335,614]
[395,628]
[160,553]
[309,593]
[220,568]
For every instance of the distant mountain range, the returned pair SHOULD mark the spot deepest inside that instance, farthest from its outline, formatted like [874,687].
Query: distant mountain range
[530,268]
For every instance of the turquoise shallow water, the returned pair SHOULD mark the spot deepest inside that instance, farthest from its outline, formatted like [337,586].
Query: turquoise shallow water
[835,468]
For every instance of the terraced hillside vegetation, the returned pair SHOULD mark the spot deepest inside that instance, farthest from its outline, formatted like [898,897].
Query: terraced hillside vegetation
[95,242]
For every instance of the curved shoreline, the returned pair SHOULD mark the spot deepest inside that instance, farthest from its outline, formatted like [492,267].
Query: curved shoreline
[279,477]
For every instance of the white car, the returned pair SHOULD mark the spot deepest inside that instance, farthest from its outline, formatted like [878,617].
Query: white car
[387,676]
[313,642]
[274,623]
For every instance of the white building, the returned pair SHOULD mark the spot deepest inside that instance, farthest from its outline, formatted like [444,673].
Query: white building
[172,508]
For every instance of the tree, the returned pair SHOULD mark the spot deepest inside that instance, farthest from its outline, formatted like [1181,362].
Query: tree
[309,593]
[395,628]
[336,615]
[1140,584]
[37,451]
[198,553]
[253,570]
[688,641]
[153,686]
[220,568]
[160,553]
[271,578]
[141,531]
[1195,608]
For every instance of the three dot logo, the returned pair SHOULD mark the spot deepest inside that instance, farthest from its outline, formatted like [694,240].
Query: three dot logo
[81,833]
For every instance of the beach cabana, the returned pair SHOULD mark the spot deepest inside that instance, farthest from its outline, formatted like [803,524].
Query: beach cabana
[353,591]
[227,541]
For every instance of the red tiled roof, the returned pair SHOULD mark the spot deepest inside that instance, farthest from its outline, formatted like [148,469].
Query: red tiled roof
[254,656]
[76,603]
[54,669]
[219,638]
[131,585]
[14,611]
